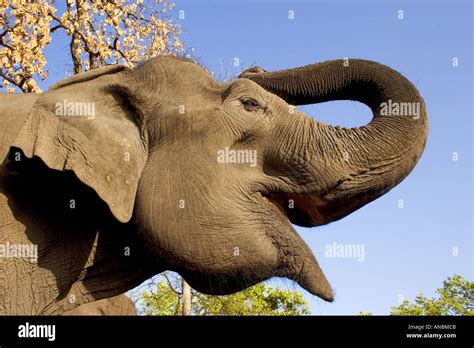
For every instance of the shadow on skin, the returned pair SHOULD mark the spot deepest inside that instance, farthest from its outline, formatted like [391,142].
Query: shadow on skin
[82,245]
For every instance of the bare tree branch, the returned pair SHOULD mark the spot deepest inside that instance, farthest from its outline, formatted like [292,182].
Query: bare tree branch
[53,29]
[20,85]
[9,79]
[170,285]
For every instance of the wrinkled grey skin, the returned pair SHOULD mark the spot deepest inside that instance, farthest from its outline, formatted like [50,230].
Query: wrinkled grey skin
[118,305]
[151,195]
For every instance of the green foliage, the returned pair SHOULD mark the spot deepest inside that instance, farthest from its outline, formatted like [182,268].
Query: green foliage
[162,301]
[164,298]
[456,297]
[365,313]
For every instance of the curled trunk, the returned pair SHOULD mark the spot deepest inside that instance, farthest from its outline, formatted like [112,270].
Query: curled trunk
[359,164]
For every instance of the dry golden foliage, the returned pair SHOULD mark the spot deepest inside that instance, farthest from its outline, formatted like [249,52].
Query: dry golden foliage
[100,32]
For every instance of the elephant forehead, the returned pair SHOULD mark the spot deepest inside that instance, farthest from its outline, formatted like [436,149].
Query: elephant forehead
[176,71]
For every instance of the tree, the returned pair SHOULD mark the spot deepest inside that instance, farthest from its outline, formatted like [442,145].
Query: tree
[99,32]
[456,297]
[164,297]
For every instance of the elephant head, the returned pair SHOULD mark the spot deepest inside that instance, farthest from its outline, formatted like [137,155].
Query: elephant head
[213,175]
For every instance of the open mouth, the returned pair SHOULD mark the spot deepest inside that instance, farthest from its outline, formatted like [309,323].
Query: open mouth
[300,209]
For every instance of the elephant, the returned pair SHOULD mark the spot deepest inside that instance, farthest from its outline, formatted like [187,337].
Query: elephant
[120,173]
[118,305]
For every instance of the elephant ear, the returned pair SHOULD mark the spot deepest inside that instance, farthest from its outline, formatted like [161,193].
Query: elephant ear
[88,124]
[89,75]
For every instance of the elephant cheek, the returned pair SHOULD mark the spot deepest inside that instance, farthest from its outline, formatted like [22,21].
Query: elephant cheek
[214,251]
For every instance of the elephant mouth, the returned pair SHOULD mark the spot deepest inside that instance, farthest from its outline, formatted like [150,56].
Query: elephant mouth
[305,210]
[313,209]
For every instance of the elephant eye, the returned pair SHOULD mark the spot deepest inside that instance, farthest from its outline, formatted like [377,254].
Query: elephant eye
[250,104]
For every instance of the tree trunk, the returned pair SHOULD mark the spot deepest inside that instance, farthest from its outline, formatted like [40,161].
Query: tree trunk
[186,290]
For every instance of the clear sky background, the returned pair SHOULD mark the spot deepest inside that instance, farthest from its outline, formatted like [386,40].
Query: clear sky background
[407,250]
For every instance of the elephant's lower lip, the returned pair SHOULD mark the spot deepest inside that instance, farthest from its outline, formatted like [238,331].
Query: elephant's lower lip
[298,262]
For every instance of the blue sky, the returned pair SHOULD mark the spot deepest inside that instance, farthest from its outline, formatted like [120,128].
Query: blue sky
[407,250]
